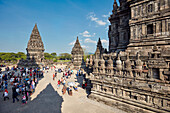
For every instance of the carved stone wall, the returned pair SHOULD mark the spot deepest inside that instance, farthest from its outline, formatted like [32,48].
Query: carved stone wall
[149,24]
[135,83]
[119,28]
[135,78]
[77,55]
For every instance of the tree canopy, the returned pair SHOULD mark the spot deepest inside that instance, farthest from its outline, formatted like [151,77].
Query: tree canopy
[12,56]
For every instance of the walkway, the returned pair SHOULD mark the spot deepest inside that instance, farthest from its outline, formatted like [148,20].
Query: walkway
[47,98]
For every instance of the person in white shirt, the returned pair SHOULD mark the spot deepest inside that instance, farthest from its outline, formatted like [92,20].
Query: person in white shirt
[6,95]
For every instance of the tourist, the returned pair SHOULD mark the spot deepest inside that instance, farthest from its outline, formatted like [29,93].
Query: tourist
[64,82]
[6,84]
[58,83]
[75,88]
[24,100]
[17,90]
[6,95]
[2,86]
[70,91]
[14,94]
[36,82]
[53,76]
[64,89]
[33,86]
[26,93]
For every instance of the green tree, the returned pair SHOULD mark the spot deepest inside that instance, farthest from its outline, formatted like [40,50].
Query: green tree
[21,55]
[54,54]
[48,56]
[65,56]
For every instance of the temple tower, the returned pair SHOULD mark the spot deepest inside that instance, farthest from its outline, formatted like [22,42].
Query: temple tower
[99,45]
[119,29]
[77,55]
[35,48]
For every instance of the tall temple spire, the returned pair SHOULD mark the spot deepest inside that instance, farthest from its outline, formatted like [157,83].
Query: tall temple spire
[35,30]
[99,45]
[77,43]
[35,39]
[77,54]
[115,6]
[35,50]
[35,26]
[99,42]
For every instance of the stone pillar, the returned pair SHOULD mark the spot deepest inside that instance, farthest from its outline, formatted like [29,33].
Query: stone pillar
[137,32]
[131,30]
[163,27]
[166,4]
[132,12]
[168,28]
[144,29]
[158,28]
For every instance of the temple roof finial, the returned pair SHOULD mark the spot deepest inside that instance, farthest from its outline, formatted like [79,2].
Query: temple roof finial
[115,6]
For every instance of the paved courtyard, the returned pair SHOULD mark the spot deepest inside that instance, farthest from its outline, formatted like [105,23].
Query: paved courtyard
[47,98]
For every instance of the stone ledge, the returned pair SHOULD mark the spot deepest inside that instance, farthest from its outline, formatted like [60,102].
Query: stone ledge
[124,104]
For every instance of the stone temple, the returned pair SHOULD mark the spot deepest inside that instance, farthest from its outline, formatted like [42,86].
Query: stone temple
[77,55]
[35,51]
[134,75]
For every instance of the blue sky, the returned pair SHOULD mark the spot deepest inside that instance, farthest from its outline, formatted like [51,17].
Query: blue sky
[59,23]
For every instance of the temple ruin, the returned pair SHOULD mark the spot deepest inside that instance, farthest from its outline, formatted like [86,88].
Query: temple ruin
[35,51]
[134,75]
[77,55]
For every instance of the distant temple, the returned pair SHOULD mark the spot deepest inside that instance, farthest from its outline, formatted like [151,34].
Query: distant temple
[35,51]
[134,74]
[77,55]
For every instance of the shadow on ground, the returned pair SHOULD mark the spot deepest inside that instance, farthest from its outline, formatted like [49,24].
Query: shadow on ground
[48,101]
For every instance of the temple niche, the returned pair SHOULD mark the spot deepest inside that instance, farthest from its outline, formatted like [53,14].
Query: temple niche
[77,55]
[135,74]
[35,51]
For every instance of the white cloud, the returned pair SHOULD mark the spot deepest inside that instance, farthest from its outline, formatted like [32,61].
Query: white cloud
[83,46]
[87,34]
[88,40]
[105,42]
[106,16]
[92,17]
[72,43]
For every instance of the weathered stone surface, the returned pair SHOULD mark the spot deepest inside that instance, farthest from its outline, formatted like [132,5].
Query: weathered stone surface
[137,75]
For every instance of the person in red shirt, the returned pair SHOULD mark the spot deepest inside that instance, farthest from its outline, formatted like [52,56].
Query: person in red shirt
[31,74]
[58,83]
[53,76]
[6,95]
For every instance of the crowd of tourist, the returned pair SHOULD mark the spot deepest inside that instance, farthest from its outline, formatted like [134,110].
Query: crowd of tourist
[22,82]
[67,73]
[70,86]
[18,84]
